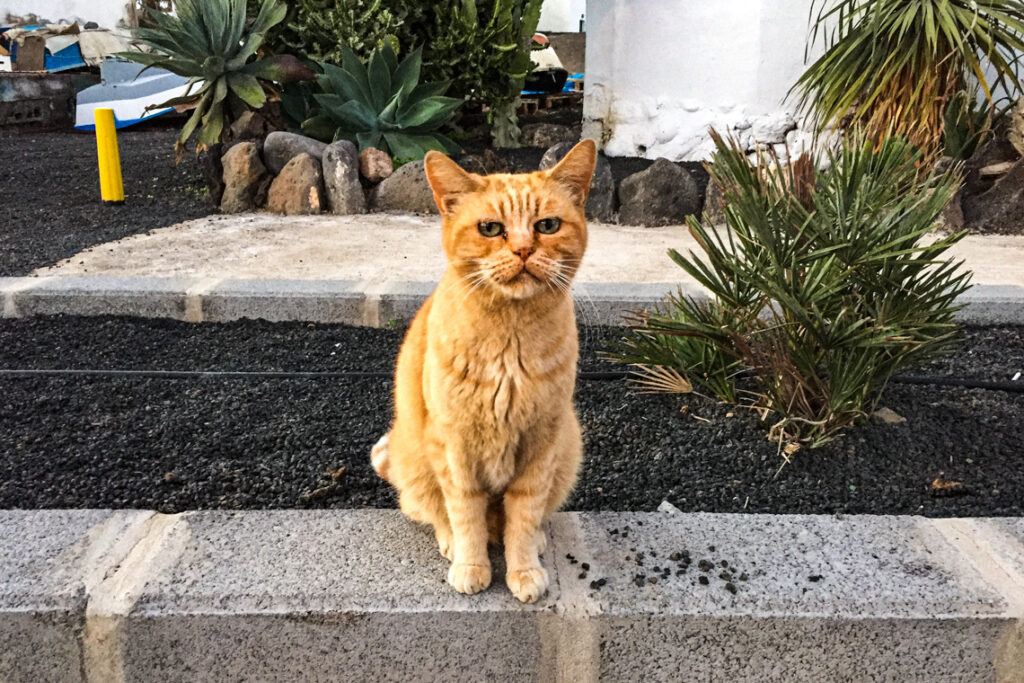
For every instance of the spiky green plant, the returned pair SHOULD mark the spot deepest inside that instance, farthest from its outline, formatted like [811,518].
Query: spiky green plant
[823,286]
[481,46]
[382,104]
[893,66]
[966,125]
[210,43]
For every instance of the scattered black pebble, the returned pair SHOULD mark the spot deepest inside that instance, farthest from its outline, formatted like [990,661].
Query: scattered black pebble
[815,578]
[639,581]
[653,579]
[731,587]
[743,576]
[703,580]
[725,563]
[680,572]
[583,575]
[705,565]
[585,566]
[596,585]
[52,455]
[725,576]
[711,548]
[570,557]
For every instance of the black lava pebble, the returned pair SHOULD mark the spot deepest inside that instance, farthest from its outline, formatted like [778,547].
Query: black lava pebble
[51,206]
[82,441]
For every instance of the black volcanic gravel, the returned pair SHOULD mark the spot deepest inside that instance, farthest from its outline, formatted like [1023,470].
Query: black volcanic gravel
[174,445]
[50,204]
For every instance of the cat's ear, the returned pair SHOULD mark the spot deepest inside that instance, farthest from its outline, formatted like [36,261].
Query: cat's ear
[448,181]
[575,170]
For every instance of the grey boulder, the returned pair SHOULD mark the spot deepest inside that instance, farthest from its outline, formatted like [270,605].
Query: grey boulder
[279,148]
[341,178]
[663,194]
[547,134]
[600,204]
[404,190]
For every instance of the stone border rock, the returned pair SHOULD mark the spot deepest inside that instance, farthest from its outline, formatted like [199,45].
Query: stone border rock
[354,303]
[92,595]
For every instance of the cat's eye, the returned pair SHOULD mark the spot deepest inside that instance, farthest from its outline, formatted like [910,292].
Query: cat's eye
[490,229]
[547,226]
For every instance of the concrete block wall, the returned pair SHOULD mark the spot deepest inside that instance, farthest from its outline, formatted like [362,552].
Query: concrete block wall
[360,595]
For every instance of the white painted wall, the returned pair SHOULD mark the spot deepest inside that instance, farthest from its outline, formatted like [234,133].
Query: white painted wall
[661,72]
[106,13]
[561,16]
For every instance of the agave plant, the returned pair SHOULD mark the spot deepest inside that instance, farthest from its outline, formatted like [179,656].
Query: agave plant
[382,104]
[896,65]
[823,287]
[210,43]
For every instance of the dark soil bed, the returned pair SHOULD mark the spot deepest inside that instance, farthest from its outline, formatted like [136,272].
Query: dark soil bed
[179,444]
[51,209]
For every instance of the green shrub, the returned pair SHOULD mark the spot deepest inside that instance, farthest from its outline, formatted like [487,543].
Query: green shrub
[319,29]
[381,104]
[822,287]
[896,65]
[481,46]
[210,43]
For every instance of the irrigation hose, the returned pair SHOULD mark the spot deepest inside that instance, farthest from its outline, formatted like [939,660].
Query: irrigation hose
[1013,387]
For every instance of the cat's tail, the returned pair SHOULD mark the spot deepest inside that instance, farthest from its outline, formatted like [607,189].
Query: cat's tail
[379,456]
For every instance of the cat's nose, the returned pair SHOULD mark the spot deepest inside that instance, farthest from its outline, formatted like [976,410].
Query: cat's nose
[524,251]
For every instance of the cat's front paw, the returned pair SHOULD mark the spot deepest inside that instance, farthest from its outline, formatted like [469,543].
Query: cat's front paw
[469,578]
[528,584]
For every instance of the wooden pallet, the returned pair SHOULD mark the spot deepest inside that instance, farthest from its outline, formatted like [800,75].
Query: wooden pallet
[532,103]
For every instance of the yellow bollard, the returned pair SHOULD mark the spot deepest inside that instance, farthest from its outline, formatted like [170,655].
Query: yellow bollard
[111,184]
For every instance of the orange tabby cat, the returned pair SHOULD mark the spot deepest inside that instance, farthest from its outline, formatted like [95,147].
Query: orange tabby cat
[485,444]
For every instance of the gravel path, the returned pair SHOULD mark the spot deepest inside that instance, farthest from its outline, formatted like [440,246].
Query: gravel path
[175,445]
[51,208]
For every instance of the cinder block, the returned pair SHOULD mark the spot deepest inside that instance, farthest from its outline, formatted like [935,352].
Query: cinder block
[336,301]
[147,297]
[340,595]
[49,559]
[862,598]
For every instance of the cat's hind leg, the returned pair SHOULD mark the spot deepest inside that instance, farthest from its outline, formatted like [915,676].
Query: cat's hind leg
[422,501]
[380,456]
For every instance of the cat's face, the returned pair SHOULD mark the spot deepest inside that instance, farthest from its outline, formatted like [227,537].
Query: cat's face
[516,235]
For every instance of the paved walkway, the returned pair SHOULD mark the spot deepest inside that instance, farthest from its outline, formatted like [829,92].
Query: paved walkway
[377,248]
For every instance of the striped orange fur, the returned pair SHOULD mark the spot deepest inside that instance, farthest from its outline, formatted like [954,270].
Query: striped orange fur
[485,443]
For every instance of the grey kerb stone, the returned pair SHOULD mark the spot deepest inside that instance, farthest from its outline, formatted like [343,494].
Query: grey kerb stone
[376,304]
